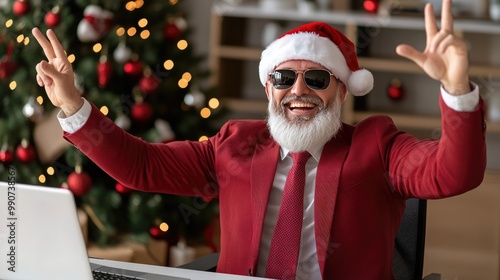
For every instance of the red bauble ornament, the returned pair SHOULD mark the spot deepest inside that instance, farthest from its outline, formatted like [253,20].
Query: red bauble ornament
[141,112]
[21,7]
[156,233]
[122,189]
[171,32]
[149,84]
[133,68]
[104,71]
[395,90]
[6,156]
[371,6]
[52,19]
[7,68]
[79,182]
[25,152]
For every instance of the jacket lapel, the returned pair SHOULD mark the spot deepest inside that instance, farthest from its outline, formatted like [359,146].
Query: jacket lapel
[327,183]
[264,163]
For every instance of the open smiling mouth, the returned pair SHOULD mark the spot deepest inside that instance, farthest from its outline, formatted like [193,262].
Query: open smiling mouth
[300,106]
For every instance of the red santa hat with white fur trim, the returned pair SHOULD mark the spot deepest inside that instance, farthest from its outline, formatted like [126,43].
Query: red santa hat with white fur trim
[320,43]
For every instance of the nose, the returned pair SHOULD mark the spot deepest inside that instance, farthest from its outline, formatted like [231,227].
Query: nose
[299,87]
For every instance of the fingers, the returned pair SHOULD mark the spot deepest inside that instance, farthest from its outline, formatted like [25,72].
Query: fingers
[43,70]
[44,43]
[458,45]
[39,80]
[445,43]
[56,45]
[430,22]
[446,16]
[411,53]
[436,42]
[53,48]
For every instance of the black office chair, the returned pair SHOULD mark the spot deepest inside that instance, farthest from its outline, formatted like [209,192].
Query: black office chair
[408,259]
[408,262]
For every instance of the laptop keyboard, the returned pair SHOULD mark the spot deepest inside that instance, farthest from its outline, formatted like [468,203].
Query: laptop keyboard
[100,275]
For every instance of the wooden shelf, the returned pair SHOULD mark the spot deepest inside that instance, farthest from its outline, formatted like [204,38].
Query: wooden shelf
[377,64]
[239,53]
[406,66]
[493,127]
[245,106]
[253,11]
[401,120]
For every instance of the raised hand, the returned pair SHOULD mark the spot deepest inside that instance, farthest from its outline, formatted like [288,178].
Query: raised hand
[56,74]
[445,57]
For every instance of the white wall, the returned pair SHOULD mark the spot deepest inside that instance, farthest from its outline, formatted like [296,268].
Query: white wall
[198,17]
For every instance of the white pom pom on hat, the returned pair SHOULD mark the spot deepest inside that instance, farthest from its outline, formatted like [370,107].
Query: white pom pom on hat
[320,43]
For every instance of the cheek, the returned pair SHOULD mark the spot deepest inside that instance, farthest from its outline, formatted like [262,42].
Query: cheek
[331,97]
[277,96]
[327,100]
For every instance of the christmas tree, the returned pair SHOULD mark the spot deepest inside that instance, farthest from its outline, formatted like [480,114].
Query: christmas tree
[132,59]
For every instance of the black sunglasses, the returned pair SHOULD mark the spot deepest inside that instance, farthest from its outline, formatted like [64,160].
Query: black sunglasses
[315,79]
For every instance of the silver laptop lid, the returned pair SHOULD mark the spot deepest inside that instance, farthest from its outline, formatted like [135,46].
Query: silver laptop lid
[40,237]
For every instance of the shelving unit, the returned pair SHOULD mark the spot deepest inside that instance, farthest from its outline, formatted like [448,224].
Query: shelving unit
[459,229]
[228,52]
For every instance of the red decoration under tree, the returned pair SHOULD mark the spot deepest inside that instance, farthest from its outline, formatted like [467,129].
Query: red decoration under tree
[122,189]
[53,18]
[149,83]
[104,71]
[25,152]
[133,68]
[171,32]
[21,7]
[156,233]
[79,182]
[395,91]
[371,6]
[6,155]
[7,66]
[141,112]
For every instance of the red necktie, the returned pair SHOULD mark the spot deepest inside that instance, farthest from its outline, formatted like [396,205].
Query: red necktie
[285,243]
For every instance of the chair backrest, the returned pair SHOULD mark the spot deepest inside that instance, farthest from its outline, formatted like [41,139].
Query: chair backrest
[408,261]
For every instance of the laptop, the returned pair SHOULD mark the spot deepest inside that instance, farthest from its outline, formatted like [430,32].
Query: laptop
[40,237]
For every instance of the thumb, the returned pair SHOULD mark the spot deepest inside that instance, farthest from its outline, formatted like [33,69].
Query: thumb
[411,53]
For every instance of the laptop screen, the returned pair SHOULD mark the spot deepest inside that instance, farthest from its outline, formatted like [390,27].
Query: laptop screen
[40,236]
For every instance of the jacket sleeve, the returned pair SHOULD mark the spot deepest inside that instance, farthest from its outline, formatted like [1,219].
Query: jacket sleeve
[436,169]
[179,167]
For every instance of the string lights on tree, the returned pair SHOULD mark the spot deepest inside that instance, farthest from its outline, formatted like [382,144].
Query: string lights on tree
[132,59]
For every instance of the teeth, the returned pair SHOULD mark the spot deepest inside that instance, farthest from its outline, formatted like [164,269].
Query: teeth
[301,105]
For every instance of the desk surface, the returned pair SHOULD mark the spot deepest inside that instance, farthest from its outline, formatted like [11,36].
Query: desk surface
[171,271]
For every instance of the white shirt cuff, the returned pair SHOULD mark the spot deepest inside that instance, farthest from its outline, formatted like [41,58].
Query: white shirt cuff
[77,120]
[462,103]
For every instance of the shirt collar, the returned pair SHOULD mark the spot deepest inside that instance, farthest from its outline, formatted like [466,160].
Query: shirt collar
[315,152]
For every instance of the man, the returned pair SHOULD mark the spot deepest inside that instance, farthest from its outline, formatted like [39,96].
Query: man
[338,217]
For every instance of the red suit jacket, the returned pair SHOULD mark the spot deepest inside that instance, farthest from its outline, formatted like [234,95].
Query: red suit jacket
[363,179]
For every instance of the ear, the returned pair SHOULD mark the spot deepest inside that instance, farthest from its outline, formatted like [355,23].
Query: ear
[342,92]
[269,90]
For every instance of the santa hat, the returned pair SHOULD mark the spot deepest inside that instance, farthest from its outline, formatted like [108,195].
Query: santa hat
[320,43]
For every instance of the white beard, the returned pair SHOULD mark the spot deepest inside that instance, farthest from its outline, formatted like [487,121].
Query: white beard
[303,133]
